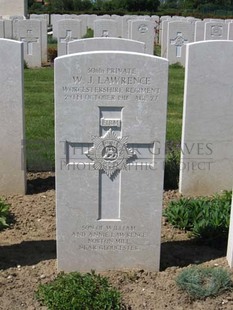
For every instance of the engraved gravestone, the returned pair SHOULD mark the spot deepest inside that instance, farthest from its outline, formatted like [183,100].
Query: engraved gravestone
[110,135]
[105,28]
[179,34]
[143,30]
[29,32]
[12,155]
[215,31]
[68,30]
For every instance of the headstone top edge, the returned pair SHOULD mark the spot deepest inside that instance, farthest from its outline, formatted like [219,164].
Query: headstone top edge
[111,52]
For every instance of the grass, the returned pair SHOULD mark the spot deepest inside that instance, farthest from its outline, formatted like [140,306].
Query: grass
[39,118]
[175,103]
[39,108]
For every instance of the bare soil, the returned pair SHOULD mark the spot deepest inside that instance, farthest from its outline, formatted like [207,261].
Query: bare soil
[28,258]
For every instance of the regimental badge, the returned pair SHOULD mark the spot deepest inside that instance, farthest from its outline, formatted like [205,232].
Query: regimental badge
[109,152]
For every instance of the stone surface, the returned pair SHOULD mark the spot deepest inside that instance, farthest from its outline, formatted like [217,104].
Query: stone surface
[98,44]
[8,29]
[68,30]
[12,154]
[13,7]
[199,31]
[44,39]
[179,34]
[2,32]
[163,37]
[110,136]
[207,134]
[215,31]
[105,28]
[143,30]
[29,32]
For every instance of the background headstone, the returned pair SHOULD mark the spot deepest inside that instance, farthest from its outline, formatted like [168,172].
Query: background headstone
[179,34]
[105,28]
[215,31]
[110,136]
[12,154]
[143,30]
[99,44]
[29,32]
[68,30]
[13,7]
[207,134]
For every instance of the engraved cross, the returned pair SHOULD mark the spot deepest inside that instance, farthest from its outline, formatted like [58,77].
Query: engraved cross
[179,41]
[110,154]
[28,41]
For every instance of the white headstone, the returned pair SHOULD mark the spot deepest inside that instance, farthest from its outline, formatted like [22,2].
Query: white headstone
[215,31]
[105,28]
[12,155]
[179,34]
[8,29]
[2,29]
[29,32]
[15,20]
[207,135]
[90,20]
[230,31]
[104,44]
[143,30]
[110,125]
[125,25]
[40,17]
[44,39]
[13,7]
[68,30]
[199,31]
[163,36]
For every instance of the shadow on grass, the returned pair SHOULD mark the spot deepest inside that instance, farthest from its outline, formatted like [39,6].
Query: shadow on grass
[27,253]
[184,253]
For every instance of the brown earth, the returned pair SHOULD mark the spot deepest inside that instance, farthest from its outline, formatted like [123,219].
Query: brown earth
[28,258]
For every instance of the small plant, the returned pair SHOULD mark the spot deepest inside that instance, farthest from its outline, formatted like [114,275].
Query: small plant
[172,167]
[51,40]
[25,65]
[89,34]
[4,215]
[76,291]
[201,282]
[207,218]
[52,54]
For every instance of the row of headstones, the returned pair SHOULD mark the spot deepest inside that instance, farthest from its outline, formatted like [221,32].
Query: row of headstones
[33,33]
[70,30]
[88,21]
[110,125]
[176,33]
[71,27]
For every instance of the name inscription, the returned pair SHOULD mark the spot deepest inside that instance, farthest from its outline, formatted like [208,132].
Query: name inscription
[110,84]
